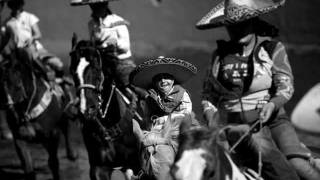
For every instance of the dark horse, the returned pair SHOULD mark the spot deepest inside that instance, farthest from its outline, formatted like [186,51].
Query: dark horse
[35,111]
[107,113]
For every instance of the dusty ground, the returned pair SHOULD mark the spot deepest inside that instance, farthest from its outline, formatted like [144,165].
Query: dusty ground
[10,164]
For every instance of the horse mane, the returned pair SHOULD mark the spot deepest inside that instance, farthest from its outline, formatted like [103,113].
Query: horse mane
[192,138]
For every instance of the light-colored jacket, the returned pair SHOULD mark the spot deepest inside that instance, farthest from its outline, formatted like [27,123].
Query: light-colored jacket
[272,80]
[111,30]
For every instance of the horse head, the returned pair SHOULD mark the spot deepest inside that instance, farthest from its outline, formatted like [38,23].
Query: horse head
[86,68]
[197,153]
[203,154]
[106,116]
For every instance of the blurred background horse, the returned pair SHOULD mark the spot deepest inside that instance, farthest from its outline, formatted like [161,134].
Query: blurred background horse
[36,110]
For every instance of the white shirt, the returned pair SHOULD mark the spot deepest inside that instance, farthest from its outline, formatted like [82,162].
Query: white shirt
[111,30]
[20,28]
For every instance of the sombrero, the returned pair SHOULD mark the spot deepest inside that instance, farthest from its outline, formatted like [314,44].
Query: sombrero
[234,11]
[86,2]
[181,70]
[306,115]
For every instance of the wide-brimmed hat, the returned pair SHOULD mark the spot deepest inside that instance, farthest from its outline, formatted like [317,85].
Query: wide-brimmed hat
[181,70]
[233,11]
[86,2]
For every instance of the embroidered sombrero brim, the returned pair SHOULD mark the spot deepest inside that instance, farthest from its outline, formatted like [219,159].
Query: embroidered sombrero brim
[86,2]
[228,13]
[180,69]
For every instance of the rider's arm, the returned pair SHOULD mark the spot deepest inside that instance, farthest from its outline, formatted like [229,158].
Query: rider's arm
[36,33]
[209,96]
[282,77]
[123,41]
[91,25]
[186,104]
[33,21]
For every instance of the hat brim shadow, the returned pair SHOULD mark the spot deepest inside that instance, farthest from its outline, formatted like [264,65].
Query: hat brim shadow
[143,78]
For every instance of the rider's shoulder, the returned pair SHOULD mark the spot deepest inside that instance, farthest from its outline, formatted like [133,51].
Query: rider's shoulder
[116,17]
[29,15]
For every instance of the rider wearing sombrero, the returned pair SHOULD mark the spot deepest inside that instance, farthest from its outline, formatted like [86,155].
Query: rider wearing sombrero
[167,104]
[21,31]
[109,33]
[250,78]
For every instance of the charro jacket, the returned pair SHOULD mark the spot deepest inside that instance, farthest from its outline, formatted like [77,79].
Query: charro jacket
[271,79]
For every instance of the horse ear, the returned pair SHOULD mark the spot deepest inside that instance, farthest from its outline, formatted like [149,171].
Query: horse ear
[74,40]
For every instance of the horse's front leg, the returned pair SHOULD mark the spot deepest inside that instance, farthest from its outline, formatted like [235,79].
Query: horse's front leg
[25,158]
[51,144]
[66,131]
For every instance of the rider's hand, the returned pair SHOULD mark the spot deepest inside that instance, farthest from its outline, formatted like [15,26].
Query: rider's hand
[267,111]
[211,116]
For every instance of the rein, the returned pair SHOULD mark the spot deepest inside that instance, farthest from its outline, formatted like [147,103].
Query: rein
[87,86]
[252,127]
[113,90]
[32,95]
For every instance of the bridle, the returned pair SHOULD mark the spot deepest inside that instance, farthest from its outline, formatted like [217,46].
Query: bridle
[99,87]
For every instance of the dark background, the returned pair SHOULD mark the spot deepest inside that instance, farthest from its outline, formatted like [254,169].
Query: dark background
[169,30]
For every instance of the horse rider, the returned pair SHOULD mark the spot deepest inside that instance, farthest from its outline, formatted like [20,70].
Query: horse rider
[21,32]
[109,33]
[22,29]
[167,104]
[250,78]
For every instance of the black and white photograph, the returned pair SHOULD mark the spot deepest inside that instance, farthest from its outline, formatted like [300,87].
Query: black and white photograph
[159,90]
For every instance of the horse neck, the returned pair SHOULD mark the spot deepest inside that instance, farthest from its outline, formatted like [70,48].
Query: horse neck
[100,96]
[33,85]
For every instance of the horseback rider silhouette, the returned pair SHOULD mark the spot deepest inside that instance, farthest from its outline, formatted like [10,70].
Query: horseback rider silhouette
[21,34]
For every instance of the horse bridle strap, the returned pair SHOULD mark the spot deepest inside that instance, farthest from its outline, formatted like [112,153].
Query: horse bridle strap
[87,86]
[40,107]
